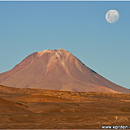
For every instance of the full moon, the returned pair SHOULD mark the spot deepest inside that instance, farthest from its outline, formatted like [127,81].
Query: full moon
[112,16]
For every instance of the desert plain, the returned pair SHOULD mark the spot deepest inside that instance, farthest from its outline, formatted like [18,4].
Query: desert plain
[24,108]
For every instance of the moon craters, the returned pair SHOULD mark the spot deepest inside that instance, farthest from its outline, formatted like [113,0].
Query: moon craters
[112,16]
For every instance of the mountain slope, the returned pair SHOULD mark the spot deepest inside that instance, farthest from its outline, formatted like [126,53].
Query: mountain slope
[57,70]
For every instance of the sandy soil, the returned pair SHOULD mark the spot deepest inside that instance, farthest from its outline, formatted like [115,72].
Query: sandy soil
[45,109]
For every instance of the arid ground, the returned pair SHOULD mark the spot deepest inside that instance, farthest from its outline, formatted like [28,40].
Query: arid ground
[48,109]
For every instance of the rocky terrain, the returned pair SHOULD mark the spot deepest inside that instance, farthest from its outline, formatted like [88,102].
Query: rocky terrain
[53,109]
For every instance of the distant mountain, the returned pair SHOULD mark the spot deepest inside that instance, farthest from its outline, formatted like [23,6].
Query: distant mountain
[57,70]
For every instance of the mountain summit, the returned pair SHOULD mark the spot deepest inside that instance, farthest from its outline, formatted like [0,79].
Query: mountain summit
[57,70]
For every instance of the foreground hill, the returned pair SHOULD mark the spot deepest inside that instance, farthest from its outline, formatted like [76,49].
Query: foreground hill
[57,70]
[50,109]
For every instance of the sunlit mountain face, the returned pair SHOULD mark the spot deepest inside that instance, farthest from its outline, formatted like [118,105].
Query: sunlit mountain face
[57,70]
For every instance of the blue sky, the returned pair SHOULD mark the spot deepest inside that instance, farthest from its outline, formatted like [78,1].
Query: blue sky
[79,27]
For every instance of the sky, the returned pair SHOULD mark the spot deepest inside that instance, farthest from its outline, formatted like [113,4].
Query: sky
[78,27]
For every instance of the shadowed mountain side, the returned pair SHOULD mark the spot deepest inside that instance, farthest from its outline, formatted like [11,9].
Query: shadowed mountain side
[57,70]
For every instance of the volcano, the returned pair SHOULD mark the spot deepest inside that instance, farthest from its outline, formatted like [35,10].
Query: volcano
[57,70]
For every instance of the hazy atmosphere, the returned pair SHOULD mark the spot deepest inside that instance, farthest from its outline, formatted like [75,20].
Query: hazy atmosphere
[78,27]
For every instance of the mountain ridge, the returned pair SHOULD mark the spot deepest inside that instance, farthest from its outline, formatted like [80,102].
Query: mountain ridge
[57,70]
